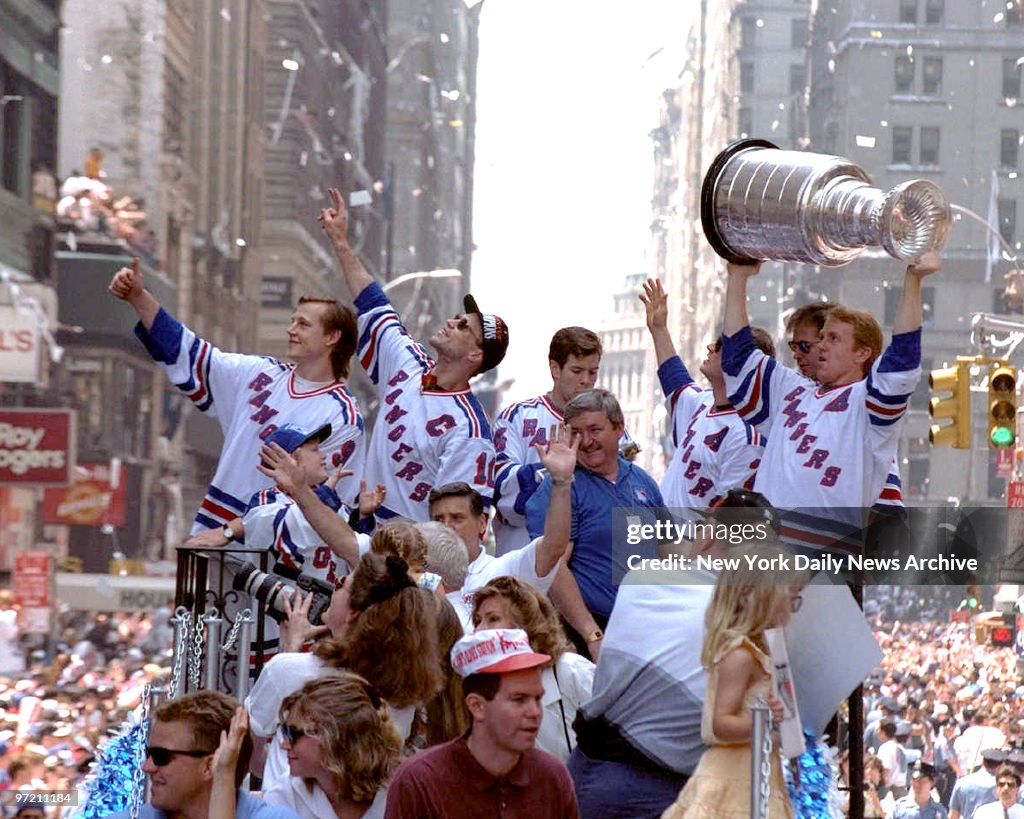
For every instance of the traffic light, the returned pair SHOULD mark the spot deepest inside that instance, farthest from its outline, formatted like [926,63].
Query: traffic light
[956,407]
[972,597]
[1002,405]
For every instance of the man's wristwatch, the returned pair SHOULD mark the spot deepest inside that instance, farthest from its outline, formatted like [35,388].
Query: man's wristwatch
[595,635]
[229,533]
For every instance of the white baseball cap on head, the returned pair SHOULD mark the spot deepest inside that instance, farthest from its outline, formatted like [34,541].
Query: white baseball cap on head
[495,651]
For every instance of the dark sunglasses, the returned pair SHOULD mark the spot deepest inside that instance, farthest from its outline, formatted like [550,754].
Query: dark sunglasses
[162,756]
[293,734]
[803,346]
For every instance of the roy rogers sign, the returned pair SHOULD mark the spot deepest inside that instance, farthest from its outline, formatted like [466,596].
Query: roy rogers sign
[37,446]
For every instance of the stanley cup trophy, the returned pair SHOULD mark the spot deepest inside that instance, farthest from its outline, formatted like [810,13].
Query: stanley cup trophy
[760,202]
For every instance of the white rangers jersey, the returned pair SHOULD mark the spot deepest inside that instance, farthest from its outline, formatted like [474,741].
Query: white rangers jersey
[517,429]
[716,450]
[831,448]
[423,436]
[250,396]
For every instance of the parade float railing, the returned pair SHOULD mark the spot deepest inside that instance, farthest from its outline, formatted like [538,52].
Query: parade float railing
[208,607]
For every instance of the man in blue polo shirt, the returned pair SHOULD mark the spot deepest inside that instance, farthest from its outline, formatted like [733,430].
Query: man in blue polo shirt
[603,481]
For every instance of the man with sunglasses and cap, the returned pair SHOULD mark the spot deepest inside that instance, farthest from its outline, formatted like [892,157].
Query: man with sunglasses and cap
[716,450]
[431,429]
[183,736]
[493,769]
[919,803]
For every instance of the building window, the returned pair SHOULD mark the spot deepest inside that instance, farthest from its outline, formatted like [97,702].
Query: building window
[174,109]
[748,32]
[934,11]
[931,76]
[1008,220]
[747,78]
[1009,147]
[929,145]
[901,140]
[746,122]
[11,118]
[1011,78]
[904,74]
[797,79]
[798,33]
[908,11]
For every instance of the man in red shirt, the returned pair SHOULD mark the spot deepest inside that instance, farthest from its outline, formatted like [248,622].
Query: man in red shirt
[493,769]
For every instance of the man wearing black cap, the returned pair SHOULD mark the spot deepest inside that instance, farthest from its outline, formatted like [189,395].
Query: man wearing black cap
[978,788]
[1006,805]
[431,429]
[919,804]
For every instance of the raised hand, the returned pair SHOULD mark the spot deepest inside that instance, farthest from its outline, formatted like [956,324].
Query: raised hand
[655,301]
[225,758]
[127,282]
[337,475]
[370,499]
[334,220]
[296,629]
[745,270]
[559,456]
[279,465]
[925,264]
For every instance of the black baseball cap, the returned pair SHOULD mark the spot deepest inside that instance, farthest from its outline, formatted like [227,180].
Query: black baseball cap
[495,332]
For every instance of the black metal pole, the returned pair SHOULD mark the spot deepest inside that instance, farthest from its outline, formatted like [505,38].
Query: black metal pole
[855,732]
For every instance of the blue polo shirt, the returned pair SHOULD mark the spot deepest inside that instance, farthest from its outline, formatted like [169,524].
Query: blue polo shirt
[599,554]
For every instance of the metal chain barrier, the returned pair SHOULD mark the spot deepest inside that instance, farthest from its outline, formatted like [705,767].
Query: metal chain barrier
[182,622]
[195,659]
[233,634]
[138,777]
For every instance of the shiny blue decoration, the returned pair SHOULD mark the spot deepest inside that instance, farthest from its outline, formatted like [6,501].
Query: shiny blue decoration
[811,781]
[109,786]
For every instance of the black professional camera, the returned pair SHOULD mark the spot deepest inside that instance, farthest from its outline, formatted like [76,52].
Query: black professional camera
[272,590]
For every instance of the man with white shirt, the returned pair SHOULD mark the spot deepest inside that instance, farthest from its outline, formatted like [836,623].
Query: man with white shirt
[1006,805]
[461,508]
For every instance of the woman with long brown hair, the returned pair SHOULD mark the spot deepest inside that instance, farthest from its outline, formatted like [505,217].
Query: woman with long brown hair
[382,627]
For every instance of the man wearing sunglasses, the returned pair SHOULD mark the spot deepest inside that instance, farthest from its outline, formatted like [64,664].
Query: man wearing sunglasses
[1006,805]
[829,446]
[431,429]
[183,736]
[716,450]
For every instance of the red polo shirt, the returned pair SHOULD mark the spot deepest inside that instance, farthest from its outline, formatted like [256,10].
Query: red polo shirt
[446,782]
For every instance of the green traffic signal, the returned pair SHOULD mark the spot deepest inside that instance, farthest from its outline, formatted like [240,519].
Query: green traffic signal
[1001,436]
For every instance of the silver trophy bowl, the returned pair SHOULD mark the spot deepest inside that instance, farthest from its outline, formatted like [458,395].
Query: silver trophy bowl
[761,202]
